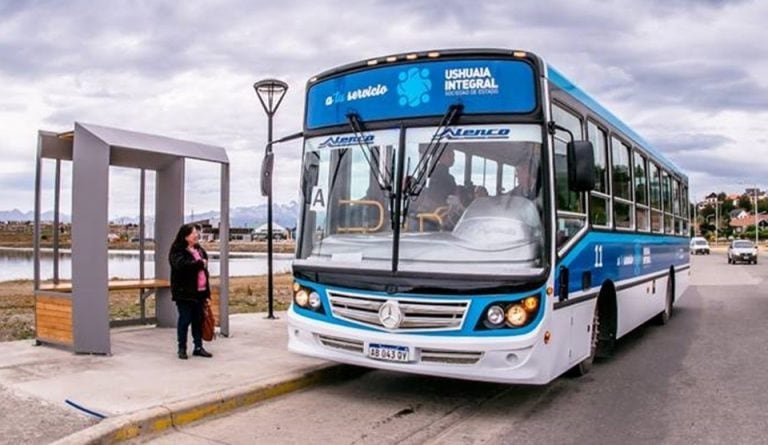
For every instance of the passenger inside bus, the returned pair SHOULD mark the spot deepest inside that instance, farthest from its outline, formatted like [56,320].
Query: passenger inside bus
[509,217]
[439,207]
[526,181]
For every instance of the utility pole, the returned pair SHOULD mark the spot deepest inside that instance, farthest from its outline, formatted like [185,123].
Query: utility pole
[757,223]
[717,221]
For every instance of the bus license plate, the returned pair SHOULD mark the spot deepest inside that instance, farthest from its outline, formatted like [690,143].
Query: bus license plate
[389,353]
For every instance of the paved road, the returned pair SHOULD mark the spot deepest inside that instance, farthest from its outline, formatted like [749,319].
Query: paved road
[701,379]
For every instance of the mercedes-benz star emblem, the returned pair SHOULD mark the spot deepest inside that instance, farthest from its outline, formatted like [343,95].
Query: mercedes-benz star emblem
[390,314]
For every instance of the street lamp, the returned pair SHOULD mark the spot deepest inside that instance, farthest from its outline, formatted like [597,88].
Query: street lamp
[270,93]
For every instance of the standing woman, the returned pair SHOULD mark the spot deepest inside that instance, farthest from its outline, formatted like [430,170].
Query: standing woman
[189,287]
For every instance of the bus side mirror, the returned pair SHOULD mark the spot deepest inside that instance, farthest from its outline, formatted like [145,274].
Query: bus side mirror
[267,164]
[581,166]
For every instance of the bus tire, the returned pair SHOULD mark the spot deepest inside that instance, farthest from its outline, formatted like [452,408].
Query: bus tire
[663,317]
[608,316]
[586,365]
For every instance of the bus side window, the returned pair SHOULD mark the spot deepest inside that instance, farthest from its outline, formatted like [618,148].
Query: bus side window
[508,178]
[666,192]
[600,198]
[571,212]
[641,193]
[657,218]
[621,173]
[485,174]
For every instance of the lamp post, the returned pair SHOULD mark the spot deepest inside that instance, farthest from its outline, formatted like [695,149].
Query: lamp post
[270,93]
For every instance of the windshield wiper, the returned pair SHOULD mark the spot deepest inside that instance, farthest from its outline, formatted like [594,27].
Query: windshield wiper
[383,178]
[426,165]
[383,175]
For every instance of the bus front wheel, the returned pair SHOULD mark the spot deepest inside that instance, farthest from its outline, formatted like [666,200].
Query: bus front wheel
[663,317]
[586,365]
[602,332]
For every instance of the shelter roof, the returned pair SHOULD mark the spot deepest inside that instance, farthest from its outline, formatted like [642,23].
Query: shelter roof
[130,148]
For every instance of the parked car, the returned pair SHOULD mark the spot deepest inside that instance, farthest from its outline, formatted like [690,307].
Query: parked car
[742,250]
[699,246]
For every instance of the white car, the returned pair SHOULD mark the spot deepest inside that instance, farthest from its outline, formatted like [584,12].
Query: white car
[699,245]
[742,251]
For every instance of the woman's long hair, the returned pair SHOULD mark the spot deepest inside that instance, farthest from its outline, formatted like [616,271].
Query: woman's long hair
[180,243]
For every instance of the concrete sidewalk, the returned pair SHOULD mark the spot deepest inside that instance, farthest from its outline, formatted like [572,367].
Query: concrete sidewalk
[143,386]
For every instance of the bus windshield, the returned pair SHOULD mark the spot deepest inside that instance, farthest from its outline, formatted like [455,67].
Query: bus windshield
[479,210]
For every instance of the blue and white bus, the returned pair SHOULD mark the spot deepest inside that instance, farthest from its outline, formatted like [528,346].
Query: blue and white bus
[474,214]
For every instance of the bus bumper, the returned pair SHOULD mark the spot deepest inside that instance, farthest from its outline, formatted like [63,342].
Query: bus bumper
[516,359]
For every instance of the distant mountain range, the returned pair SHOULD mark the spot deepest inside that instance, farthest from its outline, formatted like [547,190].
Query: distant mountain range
[284,214]
[18,215]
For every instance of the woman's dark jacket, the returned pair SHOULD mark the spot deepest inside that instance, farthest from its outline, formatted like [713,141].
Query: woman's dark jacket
[184,269]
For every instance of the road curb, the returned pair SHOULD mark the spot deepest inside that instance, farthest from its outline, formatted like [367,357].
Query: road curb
[160,418]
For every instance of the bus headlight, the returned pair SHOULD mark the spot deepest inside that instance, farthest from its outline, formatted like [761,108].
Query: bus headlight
[314,300]
[516,315]
[511,314]
[495,315]
[307,298]
[531,304]
[301,298]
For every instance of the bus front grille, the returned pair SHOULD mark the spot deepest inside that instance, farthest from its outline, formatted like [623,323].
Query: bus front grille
[415,314]
[450,357]
[341,343]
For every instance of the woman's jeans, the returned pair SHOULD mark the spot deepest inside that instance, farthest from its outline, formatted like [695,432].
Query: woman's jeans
[190,312]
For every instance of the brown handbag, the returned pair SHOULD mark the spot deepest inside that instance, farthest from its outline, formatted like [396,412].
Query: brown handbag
[209,322]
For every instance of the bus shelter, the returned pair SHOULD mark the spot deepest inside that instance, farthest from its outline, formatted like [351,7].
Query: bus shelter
[76,314]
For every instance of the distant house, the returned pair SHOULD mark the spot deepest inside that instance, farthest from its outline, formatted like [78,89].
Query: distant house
[752,191]
[740,224]
[711,199]
[278,232]
[738,214]
[240,234]
[734,198]
[207,232]
[235,234]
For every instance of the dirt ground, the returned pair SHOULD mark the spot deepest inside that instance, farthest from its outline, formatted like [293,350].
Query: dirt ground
[246,294]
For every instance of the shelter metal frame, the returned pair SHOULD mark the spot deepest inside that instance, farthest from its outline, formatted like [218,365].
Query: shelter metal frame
[76,314]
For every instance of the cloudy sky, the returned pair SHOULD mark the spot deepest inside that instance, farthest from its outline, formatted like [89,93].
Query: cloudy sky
[689,75]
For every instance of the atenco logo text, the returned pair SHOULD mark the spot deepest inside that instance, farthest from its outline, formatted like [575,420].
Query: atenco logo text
[345,141]
[474,133]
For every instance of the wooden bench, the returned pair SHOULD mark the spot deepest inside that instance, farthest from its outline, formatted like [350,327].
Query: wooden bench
[113,285]
[53,315]
[53,320]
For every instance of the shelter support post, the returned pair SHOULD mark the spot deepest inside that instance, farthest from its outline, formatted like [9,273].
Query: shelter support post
[56,209]
[224,252]
[90,197]
[169,216]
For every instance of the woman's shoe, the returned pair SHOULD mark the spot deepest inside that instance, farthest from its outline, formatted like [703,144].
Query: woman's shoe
[183,355]
[200,352]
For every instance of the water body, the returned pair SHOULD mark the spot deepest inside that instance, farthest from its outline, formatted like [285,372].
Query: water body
[18,264]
